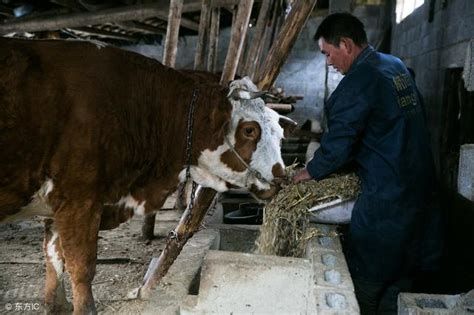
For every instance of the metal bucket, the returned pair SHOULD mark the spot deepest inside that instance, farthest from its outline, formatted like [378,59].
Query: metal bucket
[334,212]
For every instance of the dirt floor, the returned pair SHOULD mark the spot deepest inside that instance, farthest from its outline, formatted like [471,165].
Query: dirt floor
[123,259]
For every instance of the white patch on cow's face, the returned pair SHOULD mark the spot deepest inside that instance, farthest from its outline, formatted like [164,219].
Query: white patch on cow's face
[38,205]
[53,255]
[267,152]
[130,202]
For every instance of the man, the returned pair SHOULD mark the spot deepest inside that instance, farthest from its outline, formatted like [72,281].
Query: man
[375,120]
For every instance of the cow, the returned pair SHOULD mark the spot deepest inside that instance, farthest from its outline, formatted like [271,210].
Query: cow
[91,136]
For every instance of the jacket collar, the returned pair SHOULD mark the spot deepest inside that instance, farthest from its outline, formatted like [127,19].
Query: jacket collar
[364,54]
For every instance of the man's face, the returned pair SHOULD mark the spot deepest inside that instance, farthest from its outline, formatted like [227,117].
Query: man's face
[337,57]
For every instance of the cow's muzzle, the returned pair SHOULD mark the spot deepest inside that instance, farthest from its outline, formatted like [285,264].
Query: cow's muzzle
[250,170]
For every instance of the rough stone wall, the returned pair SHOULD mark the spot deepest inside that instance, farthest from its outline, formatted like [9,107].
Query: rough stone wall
[432,47]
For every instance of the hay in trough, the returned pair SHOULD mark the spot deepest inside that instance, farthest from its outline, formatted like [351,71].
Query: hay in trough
[284,230]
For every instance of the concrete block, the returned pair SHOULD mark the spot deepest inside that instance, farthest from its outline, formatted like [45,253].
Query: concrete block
[466,171]
[435,304]
[239,283]
[174,287]
[327,242]
[332,302]
[330,270]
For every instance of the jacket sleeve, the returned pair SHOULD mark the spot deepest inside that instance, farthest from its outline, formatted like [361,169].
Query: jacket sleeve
[347,117]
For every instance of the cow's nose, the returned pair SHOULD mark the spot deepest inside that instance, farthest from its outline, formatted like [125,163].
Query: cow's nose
[278,171]
[279,180]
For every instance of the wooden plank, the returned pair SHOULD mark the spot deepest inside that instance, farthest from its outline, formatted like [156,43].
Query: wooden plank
[213,40]
[199,60]
[73,20]
[141,27]
[257,42]
[195,5]
[281,108]
[105,34]
[284,42]
[239,31]
[172,32]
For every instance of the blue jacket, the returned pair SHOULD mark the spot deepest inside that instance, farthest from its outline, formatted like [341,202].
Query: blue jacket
[375,119]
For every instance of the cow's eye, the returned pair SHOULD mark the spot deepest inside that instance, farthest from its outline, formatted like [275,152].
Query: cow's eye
[248,131]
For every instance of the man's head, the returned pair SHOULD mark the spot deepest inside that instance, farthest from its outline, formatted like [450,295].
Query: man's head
[341,37]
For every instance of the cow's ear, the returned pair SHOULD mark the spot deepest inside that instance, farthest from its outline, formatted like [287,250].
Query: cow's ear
[288,125]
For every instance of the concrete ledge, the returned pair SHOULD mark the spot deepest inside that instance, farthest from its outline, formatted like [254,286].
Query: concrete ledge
[175,286]
[240,283]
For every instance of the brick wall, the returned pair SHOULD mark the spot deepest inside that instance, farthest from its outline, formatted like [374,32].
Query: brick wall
[432,47]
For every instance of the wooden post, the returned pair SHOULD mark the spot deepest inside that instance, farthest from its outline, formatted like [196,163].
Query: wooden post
[257,42]
[213,40]
[239,31]
[172,32]
[169,59]
[202,35]
[284,42]
[267,37]
[187,226]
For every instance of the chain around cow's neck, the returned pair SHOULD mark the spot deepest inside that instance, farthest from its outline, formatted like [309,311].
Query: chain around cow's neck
[250,170]
[189,145]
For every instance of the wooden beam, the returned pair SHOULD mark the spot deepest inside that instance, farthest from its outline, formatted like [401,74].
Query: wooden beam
[281,108]
[257,43]
[284,42]
[195,5]
[213,40]
[172,32]
[73,20]
[140,27]
[239,31]
[101,33]
[199,60]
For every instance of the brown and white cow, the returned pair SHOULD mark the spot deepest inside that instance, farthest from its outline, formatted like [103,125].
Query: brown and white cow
[91,136]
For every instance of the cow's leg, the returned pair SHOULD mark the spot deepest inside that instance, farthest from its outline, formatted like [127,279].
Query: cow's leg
[55,295]
[78,226]
[148,227]
[188,225]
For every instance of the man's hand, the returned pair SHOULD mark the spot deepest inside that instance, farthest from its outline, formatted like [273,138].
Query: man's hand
[301,176]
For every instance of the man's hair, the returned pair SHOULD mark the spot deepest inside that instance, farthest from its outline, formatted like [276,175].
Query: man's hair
[338,25]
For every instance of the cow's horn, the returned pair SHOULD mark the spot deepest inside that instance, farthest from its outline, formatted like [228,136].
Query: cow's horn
[257,94]
[242,94]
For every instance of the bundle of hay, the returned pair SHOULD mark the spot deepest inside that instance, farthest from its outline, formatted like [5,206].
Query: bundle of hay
[284,230]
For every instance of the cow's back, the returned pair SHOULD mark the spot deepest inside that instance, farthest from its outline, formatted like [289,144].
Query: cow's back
[118,109]
[54,95]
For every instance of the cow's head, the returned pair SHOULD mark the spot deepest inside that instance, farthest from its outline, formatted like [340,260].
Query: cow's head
[250,155]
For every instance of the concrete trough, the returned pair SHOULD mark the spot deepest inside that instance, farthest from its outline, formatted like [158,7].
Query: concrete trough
[217,273]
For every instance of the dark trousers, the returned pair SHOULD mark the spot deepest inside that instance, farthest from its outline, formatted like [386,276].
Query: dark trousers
[379,298]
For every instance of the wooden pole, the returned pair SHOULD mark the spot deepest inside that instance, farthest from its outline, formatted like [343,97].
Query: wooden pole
[257,42]
[284,42]
[127,13]
[267,37]
[199,59]
[239,31]
[187,226]
[169,59]
[172,32]
[213,40]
